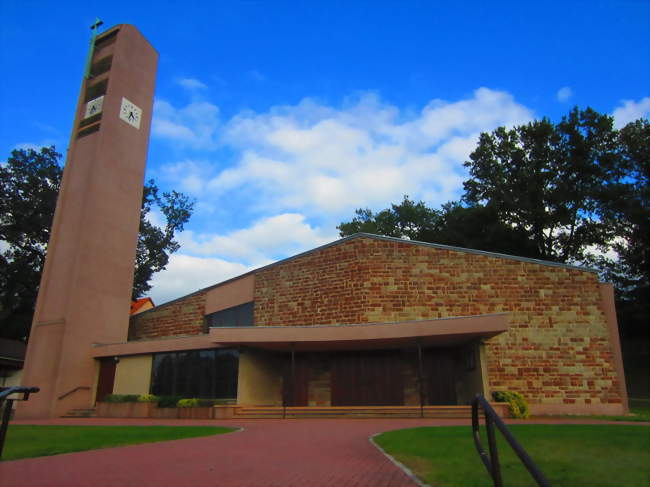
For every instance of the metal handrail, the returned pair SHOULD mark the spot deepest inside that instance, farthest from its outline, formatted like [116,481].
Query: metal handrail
[491,461]
[5,392]
[78,388]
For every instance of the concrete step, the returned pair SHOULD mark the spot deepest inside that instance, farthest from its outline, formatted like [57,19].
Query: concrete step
[437,412]
[80,413]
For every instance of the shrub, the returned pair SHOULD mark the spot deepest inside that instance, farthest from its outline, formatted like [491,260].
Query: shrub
[516,403]
[148,398]
[168,401]
[188,403]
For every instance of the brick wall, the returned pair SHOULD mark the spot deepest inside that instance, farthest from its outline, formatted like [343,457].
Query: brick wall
[556,351]
[177,318]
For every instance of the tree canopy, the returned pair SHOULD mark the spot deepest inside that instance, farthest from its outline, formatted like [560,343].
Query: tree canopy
[576,191]
[29,186]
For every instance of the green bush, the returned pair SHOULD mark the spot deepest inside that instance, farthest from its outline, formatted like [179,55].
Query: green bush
[148,398]
[168,401]
[121,398]
[516,403]
[188,403]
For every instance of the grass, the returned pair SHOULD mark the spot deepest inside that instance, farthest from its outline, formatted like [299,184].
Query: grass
[636,414]
[25,441]
[568,455]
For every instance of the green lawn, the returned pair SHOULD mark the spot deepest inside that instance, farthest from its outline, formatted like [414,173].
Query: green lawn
[568,455]
[36,441]
[636,414]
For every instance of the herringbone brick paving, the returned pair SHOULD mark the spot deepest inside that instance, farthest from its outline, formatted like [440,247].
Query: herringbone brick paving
[267,453]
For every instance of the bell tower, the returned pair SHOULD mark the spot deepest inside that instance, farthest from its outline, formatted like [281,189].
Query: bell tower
[85,290]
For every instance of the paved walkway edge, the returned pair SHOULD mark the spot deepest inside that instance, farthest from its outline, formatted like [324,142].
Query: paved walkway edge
[398,464]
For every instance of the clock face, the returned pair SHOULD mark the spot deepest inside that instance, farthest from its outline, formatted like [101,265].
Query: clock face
[93,107]
[130,113]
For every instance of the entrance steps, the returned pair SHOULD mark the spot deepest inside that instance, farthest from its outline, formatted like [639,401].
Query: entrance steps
[80,413]
[433,412]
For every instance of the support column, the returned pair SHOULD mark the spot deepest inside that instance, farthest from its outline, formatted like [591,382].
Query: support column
[420,383]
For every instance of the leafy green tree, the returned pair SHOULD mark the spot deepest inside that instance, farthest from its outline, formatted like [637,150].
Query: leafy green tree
[29,186]
[545,180]
[407,220]
[625,208]
[474,227]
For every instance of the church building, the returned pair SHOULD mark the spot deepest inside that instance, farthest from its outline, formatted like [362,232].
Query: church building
[378,321]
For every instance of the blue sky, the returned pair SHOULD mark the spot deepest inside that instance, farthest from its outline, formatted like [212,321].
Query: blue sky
[281,118]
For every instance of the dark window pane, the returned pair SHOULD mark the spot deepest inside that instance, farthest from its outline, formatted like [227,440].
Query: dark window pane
[208,374]
[241,315]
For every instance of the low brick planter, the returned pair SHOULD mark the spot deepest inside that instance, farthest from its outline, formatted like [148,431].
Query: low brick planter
[195,413]
[164,413]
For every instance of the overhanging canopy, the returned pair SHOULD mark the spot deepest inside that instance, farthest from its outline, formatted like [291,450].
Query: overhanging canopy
[438,332]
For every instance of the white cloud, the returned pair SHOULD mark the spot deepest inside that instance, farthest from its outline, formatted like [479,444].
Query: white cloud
[193,126]
[192,84]
[631,111]
[264,241]
[564,94]
[185,274]
[316,158]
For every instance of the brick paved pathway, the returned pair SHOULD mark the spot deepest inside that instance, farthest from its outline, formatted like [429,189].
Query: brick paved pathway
[266,453]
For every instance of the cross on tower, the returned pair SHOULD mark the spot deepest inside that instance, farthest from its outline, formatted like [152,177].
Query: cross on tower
[95,29]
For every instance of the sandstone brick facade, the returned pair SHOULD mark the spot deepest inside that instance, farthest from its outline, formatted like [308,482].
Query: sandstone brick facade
[556,352]
[181,317]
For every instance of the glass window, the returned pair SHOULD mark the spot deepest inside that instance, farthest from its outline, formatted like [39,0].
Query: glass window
[210,374]
[241,315]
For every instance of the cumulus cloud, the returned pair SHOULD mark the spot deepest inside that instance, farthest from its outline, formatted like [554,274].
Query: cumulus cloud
[192,84]
[192,126]
[564,94]
[321,159]
[262,242]
[185,274]
[631,111]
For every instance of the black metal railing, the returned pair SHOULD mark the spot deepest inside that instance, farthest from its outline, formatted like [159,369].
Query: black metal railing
[5,392]
[491,461]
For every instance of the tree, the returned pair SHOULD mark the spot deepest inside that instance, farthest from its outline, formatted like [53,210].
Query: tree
[29,186]
[625,208]
[545,180]
[407,220]
[474,227]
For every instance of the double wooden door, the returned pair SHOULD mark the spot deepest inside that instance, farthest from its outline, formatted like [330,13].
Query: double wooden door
[373,378]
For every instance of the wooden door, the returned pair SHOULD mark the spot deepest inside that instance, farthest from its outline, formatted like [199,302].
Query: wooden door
[106,378]
[439,370]
[368,379]
[296,383]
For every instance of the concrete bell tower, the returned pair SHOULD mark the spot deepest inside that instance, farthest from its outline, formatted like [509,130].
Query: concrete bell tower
[85,289]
